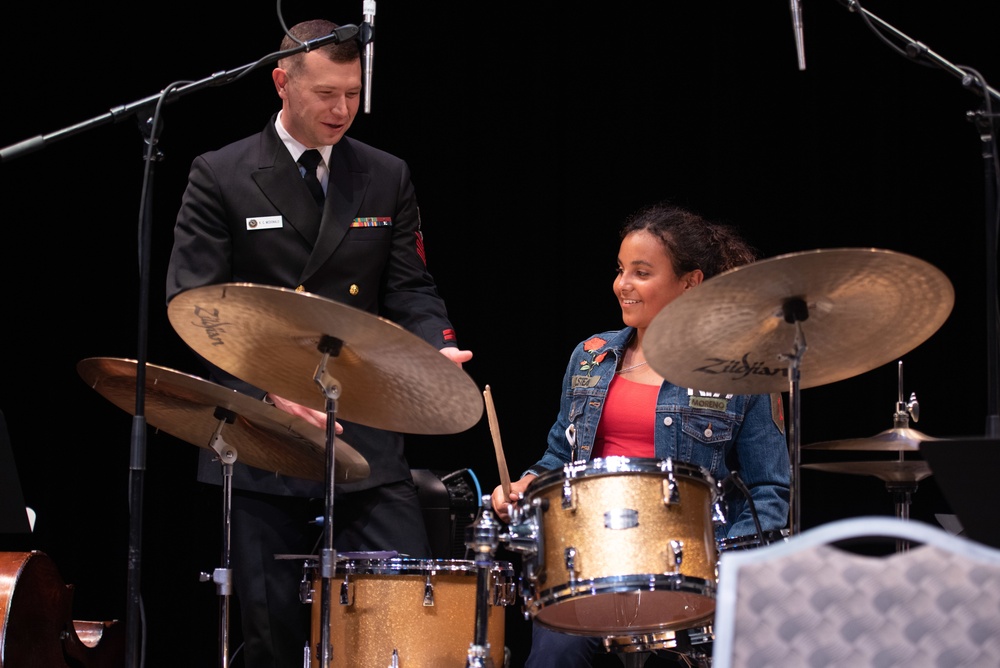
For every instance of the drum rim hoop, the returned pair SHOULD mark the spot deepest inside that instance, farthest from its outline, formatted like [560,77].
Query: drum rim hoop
[619,464]
[415,566]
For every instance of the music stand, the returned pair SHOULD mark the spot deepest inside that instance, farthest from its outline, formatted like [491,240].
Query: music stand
[966,472]
[13,512]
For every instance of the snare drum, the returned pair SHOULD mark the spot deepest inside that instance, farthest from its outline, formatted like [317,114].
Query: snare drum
[620,545]
[424,609]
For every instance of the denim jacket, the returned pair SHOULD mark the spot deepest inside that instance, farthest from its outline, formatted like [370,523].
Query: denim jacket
[720,433]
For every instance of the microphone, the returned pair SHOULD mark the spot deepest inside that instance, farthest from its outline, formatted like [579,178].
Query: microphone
[800,46]
[366,39]
[340,34]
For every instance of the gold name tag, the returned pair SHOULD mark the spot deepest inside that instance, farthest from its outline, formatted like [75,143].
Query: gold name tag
[711,403]
[585,381]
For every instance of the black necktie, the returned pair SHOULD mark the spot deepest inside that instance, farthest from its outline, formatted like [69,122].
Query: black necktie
[310,159]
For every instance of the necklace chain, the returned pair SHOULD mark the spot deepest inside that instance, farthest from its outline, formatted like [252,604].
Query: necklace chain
[632,368]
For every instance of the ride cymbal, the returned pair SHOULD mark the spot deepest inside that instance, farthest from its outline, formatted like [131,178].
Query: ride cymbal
[889,471]
[270,337]
[858,309]
[185,406]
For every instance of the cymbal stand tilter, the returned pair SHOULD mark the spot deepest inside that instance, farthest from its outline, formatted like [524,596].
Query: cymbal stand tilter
[795,311]
[482,537]
[328,346]
[223,576]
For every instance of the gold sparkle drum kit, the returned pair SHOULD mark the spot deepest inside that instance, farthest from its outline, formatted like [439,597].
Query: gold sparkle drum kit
[617,548]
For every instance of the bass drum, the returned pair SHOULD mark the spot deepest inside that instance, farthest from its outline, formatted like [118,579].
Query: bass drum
[620,546]
[424,610]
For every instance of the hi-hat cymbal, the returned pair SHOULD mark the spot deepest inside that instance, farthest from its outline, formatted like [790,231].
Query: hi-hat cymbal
[185,406]
[858,309]
[268,336]
[898,439]
[889,471]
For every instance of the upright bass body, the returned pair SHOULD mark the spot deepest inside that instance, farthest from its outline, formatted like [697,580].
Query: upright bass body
[37,629]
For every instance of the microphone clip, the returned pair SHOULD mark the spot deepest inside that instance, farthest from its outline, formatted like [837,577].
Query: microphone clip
[366,33]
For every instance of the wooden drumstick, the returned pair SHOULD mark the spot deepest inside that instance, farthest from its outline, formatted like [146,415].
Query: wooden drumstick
[497,445]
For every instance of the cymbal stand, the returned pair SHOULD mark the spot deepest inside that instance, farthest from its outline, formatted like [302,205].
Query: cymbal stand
[328,345]
[223,576]
[482,537]
[902,490]
[795,312]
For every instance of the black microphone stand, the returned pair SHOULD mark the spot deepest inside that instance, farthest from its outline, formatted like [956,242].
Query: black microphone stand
[150,126]
[985,121]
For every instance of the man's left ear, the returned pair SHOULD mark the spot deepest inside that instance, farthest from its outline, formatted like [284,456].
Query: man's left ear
[280,79]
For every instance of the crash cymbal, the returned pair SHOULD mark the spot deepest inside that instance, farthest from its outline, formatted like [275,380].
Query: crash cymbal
[889,471]
[858,309]
[898,439]
[184,406]
[268,336]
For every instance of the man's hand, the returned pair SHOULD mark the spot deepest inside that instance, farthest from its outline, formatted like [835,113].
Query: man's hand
[457,356]
[312,416]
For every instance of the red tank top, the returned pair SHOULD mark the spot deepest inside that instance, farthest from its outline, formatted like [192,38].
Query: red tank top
[627,424]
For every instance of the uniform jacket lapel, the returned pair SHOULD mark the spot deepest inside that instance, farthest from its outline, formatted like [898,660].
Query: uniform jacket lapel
[279,179]
[344,194]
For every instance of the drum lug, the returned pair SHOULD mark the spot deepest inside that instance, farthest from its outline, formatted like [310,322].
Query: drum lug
[718,515]
[569,556]
[428,592]
[671,494]
[676,554]
[531,570]
[305,589]
[347,591]
[528,592]
[568,502]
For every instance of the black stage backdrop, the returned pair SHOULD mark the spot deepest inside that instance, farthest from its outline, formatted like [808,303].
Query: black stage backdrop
[532,130]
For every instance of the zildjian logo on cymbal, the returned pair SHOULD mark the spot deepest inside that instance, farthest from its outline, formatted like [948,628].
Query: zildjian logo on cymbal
[211,324]
[740,368]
